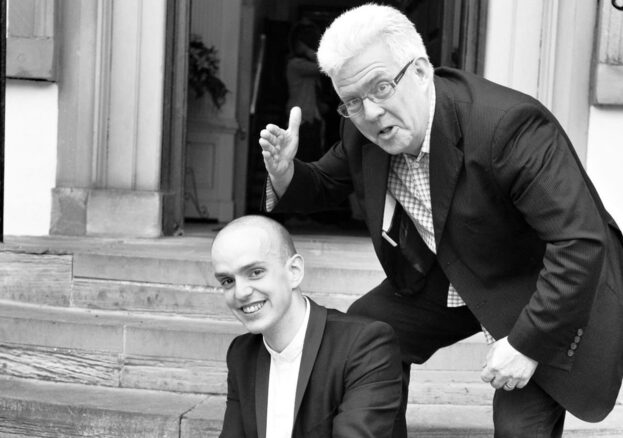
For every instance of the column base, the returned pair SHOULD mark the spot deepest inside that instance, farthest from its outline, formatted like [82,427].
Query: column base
[108,212]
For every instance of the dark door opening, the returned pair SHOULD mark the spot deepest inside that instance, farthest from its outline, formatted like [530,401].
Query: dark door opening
[453,32]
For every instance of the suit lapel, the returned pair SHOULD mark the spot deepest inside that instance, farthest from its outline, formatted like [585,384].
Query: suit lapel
[446,159]
[313,338]
[262,373]
[375,170]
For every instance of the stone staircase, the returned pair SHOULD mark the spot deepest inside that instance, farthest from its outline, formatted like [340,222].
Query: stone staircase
[127,338]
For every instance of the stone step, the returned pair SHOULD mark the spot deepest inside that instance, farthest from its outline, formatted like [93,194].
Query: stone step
[192,301]
[162,326]
[40,409]
[328,271]
[169,275]
[441,421]
[126,349]
[115,349]
[429,420]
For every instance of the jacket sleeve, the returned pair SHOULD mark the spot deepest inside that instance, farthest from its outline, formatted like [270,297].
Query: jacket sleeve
[373,384]
[319,185]
[232,423]
[535,165]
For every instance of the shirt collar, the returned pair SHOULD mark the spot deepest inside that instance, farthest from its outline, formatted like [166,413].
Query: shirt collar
[294,349]
[431,113]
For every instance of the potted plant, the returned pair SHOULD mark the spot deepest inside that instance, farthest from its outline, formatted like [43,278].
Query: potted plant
[203,66]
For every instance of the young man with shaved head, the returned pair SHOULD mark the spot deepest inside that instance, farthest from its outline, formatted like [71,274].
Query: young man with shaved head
[303,370]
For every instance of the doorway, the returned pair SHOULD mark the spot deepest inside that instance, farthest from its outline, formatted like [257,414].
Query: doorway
[252,38]
[452,30]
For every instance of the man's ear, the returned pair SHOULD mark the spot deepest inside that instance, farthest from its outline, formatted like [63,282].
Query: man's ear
[296,270]
[423,69]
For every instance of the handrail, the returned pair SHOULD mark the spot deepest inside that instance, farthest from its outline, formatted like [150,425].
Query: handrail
[258,74]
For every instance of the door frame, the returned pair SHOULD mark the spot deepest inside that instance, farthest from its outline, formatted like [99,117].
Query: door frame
[174,116]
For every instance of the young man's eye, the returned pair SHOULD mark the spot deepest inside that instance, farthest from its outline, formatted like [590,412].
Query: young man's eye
[257,272]
[226,283]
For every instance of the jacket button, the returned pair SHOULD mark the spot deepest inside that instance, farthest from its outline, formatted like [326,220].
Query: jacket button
[573,346]
[570,353]
[576,339]
[580,332]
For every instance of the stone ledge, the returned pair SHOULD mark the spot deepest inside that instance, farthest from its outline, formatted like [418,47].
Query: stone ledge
[43,409]
[424,421]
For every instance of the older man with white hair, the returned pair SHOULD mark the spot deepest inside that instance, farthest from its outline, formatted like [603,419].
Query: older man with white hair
[481,215]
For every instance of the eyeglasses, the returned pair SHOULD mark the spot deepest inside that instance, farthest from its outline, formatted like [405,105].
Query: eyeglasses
[382,91]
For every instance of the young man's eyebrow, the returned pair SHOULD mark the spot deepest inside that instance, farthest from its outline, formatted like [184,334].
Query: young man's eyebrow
[242,269]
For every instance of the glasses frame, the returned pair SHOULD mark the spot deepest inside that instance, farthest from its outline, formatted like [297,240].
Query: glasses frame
[341,109]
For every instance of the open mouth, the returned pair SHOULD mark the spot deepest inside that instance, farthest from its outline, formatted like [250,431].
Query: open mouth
[387,132]
[252,308]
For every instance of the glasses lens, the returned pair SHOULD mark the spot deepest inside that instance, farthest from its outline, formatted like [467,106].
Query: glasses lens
[382,91]
[351,108]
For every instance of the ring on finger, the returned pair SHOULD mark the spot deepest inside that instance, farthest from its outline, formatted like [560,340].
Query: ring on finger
[509,386]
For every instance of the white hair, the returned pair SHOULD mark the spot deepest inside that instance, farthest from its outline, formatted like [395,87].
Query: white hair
[357,29]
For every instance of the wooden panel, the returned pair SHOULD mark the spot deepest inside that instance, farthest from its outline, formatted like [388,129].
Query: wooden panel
[608,77]
[200,177]
[30,40]
[513,42]
[212,167]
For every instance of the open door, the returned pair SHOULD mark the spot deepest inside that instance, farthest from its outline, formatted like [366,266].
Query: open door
[453,32]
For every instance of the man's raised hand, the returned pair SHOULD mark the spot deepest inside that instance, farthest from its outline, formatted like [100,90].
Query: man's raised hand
[279,147]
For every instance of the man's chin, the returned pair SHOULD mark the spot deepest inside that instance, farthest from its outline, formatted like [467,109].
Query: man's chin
[256,329]
[391,148]
[252,326]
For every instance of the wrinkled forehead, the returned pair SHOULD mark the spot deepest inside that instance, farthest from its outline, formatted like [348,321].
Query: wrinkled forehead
[365,68]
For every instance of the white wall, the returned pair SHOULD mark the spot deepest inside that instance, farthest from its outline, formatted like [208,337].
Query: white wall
[605,157]
[30,156]
[517,30]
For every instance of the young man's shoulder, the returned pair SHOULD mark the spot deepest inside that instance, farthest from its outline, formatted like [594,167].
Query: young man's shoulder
[243,345]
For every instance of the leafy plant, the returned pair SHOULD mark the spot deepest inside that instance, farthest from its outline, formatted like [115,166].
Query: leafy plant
[203,66]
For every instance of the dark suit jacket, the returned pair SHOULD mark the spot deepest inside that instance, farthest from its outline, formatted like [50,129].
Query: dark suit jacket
[349,381]
[520,232]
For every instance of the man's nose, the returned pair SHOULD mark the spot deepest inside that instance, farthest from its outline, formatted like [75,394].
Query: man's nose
[371,110]
[243,289]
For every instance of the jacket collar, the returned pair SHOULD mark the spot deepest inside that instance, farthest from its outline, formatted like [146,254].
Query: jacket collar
[262,373]
[446,158]
[313,338]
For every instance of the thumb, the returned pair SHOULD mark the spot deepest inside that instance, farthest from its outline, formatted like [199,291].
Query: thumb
[295,120]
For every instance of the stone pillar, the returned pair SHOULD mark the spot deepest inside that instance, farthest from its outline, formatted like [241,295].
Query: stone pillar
[110,118]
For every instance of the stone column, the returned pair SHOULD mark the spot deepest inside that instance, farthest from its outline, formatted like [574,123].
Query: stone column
[110,118]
